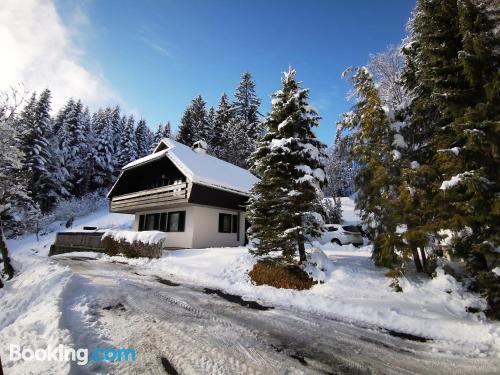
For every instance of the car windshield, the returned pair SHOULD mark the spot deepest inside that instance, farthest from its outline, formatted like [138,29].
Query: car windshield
[331,229]
[351,228]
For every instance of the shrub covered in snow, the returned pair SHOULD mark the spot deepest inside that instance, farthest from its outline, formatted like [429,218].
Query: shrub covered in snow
[280,275]
[134,244]
[318,265]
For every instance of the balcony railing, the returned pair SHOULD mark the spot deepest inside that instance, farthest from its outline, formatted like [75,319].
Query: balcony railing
[152,198]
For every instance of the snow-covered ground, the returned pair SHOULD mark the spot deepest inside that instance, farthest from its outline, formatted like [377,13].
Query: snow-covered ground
[36,303]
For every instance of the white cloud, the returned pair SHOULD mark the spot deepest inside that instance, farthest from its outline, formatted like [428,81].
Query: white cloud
[37,50]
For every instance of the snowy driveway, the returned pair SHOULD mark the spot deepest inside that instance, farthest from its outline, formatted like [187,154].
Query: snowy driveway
[180,328]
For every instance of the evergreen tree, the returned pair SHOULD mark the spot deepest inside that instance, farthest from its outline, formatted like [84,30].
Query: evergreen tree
[221,133]
[377,179]
[209,130]
[103,133]
[14,195]
[128,145]
[284,205]
[143,138]
[72,138]
[61,116]
[117,125]
[453,76]
[194,126]
[245,127]
[167,130]
[246,106]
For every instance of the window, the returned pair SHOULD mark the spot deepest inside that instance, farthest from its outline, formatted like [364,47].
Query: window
[152,222]
[175,221]
[224,223]
[141,223]
[235,224]
[332,229]
[228,223]
[163,221]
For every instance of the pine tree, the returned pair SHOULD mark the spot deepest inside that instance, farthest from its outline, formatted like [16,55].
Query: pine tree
[377,178]
[61,116]
[209,130]
[167,130]
[128,145]
[246,106]
[13,182]
[454,81]
[284,205]
[194,125]
[221,133]
[72,140]
[143,138]
[103,133]
[244,128]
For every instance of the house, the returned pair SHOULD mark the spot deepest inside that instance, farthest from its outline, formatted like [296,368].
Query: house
[198,199]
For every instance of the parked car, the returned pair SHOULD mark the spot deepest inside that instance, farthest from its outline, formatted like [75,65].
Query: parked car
[342,235]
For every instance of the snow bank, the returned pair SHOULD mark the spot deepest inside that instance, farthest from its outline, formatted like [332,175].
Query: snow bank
[152,237]
[31,316]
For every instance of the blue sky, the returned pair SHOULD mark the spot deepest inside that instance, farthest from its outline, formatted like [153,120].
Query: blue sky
[159,54]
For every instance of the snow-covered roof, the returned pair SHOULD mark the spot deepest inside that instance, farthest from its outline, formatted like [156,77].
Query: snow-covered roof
[201,168]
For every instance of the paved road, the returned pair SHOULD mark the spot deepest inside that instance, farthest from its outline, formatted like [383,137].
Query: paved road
[185,329]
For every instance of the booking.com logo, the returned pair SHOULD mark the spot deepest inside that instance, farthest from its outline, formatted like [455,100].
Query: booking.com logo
[64,354]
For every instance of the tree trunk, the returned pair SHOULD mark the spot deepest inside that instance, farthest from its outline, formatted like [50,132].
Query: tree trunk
[302,249]
[424,258]
[7,266]
[416,259]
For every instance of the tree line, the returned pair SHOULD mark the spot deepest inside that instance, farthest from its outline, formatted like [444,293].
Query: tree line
[425,135]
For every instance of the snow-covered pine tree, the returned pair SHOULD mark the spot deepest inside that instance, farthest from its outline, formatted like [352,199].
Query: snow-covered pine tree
[117,124]
[209,130]
[143,138]
[13,182]
[377,178]
[221,133]
[246,127]
[128,145]
[48,186]
[193,123]
[167,130]
[103,133]
[455,84]
[284,205]
[199,118]
[72,138]
[61,116]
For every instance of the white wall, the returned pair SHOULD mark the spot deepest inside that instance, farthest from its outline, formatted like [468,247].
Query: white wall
[206,233]
[175,239]
[201,228]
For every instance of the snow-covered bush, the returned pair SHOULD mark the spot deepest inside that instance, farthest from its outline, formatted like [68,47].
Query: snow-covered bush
[318,265]
[134,244]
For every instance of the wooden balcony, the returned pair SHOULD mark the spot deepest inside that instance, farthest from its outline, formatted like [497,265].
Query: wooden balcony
[150,199]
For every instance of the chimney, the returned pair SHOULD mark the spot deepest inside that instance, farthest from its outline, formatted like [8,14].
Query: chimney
[200,147]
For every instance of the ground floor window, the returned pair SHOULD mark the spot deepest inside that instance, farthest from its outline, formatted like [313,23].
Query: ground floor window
[165,221]
[228,223]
